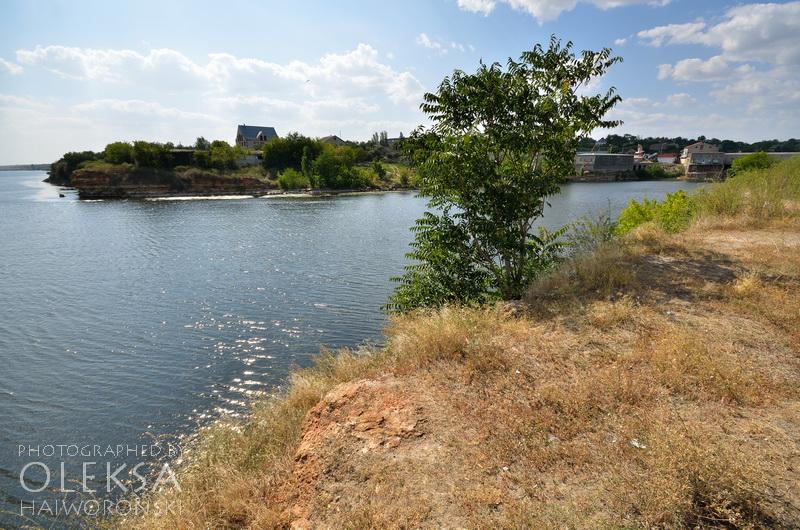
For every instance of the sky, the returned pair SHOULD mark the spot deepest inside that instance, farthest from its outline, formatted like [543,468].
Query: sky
[76,75]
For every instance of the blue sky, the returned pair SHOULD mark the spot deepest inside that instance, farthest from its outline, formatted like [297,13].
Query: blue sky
[77,75]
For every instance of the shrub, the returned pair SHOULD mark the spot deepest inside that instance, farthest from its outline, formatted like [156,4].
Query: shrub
[651,172]
[760,160]
[675,213]
[672,215]
[379,170]
[291,179]
[118,153]
[587,233]
[635,214]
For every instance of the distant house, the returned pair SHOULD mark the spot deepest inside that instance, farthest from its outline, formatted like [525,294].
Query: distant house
[603,166]
[638,156]
[333,140]
[698,147]
[667,158]
[254,136]
[701,157]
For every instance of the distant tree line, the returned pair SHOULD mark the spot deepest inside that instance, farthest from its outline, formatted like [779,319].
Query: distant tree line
[301,162]
[217,155]
[614,143]
[297,161]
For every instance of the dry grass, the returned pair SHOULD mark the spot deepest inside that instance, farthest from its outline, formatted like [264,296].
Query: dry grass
[602,273]
[651,384]
[754,198]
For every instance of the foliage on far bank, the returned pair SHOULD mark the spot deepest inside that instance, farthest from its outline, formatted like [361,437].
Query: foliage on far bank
[759,160]
[291,162]
[487,165]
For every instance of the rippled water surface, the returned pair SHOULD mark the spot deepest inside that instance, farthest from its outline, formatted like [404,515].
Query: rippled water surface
[123,320]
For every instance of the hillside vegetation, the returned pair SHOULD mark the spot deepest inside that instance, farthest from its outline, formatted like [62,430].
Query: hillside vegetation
[648,381]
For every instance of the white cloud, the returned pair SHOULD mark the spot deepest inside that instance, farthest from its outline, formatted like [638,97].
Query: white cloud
[664,71]
[441,47]
[680,99]
[753,71]
[620,42]
[672,34]
[774,92]
[713,69]
[164,95]
[358,69]
[426,42]
[11,68]
[477,6]
[755,32]
[19,101]
[546,10]
[149,109]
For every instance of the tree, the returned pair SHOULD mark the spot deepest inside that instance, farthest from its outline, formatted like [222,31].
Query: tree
[61,170]
[305,163]
[222,156]
[502,141]
[118,153]
[201,144]
[287,152]
[151,154]
[334,167]
[379,170]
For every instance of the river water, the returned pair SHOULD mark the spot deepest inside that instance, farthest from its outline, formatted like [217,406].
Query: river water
[127,323]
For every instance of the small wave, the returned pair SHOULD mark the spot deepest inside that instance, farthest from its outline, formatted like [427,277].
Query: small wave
[287,196]
[202,198]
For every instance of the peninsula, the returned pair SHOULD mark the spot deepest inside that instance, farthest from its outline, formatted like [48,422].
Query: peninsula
[260,163]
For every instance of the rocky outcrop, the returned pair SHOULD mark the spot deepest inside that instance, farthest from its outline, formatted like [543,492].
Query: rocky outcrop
[137,184]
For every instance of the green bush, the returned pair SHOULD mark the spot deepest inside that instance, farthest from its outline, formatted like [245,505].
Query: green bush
[635,214]
[651,172]
[61,170]
[151,154]
[760,160]
[291,179]
[673,214]
[222,156]
[335,167]
[118,153]
[288,152]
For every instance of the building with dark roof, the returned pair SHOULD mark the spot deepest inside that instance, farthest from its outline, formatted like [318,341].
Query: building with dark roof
[333,140]
[254,136]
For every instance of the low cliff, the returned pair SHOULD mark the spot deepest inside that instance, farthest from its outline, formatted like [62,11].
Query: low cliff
[128,182]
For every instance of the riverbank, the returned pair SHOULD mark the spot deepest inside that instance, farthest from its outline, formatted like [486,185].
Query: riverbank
[650,382]
[102,181]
